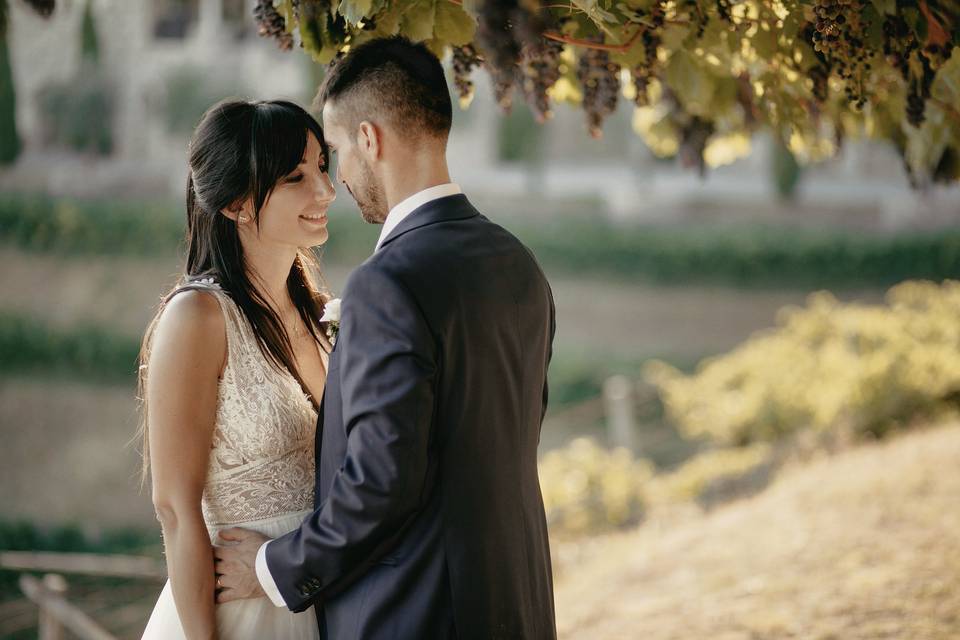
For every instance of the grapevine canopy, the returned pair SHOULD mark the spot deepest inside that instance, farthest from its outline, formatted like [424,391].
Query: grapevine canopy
[703,74]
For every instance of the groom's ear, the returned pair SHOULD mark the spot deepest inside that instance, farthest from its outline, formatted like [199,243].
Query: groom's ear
[370,140]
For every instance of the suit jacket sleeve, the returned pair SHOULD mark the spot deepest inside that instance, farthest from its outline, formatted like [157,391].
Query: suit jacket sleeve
[553,331]
[387,365]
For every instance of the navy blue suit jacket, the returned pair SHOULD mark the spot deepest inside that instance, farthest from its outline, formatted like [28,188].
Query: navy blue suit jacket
[429,520]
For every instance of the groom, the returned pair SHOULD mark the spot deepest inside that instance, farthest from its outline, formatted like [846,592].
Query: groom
[429,521]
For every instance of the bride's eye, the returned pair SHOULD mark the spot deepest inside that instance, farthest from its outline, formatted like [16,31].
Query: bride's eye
[295,178]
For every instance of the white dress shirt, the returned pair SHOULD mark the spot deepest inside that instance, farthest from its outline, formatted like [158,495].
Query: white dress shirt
[396,215]
[405,208]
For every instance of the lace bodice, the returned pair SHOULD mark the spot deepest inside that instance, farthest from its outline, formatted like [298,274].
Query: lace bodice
[262,455]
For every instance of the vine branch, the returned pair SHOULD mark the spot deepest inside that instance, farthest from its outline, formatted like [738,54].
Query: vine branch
[588,44]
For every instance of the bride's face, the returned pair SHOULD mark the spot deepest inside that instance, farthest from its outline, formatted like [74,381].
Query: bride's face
[295,212]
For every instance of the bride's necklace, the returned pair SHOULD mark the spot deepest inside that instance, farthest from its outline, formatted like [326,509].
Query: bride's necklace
[299,330]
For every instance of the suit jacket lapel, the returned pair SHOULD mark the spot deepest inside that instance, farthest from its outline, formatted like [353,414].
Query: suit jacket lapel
[455,207]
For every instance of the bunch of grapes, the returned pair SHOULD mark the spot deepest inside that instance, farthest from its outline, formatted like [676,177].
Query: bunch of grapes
[540,70]
[819,73]
[820,76]
[600,79]
[503,83]
[936,54]
[465,60]
[723,10]
[918,92]
[900,48]
[495,35]
[698,16]
[271,24]
[693,141]
[650,37]
[899,44]
[839,36]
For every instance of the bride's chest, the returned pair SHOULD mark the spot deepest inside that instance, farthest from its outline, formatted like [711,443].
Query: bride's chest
[261,413]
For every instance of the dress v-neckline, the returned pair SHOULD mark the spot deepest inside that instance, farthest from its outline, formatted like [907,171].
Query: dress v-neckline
[307,392]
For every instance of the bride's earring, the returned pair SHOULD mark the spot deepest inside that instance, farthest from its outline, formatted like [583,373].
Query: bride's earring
[242,219]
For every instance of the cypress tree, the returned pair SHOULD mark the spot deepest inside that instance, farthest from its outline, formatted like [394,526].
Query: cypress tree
[9,140]
[89,44]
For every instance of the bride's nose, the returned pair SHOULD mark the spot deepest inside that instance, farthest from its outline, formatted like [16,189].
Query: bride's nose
[324,193]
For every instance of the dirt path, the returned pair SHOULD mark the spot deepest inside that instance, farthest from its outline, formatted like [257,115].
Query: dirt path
[861,545]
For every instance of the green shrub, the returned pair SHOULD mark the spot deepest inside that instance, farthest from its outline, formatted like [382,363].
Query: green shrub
[589,489]
[715,475]
[42,223]
[829,367]
[27,345]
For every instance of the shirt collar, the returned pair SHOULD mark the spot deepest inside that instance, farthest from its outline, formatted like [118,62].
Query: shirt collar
[417,200]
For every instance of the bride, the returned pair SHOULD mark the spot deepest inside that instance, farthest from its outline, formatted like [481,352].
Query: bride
[233,366]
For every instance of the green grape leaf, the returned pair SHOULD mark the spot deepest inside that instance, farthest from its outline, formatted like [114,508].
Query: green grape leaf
[472,7]
[791,25]
[674,35]
[453,25]
[765,43]
[635,55]
[417,21]
[353,11]
[388,21]
[596,13]
[692,84]
[946,84]
[712,39]
[285,9]
[885,7]
[437,46]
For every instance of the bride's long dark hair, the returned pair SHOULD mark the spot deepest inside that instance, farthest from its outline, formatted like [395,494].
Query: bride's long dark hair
[240,150]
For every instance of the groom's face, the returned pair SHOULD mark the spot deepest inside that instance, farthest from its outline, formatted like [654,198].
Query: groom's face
[354,170]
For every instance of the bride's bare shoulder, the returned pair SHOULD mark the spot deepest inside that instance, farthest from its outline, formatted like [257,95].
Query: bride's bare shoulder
[192,325]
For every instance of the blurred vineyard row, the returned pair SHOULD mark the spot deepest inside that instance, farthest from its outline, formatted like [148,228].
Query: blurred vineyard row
[731,254]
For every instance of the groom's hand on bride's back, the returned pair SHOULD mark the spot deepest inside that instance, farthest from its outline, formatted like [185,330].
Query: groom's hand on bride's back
[235,565]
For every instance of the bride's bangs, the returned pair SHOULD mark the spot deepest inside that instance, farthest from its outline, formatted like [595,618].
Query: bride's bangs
[277,144]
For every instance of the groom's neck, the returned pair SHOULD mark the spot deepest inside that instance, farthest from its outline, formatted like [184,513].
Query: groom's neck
[420,171]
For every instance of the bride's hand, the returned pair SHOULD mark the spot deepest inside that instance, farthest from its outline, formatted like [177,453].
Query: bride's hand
[235,565]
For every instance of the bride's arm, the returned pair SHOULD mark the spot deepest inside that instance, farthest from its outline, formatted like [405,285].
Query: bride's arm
[189,348]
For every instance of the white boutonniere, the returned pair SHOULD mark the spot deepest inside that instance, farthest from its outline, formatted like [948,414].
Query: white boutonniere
[331,315]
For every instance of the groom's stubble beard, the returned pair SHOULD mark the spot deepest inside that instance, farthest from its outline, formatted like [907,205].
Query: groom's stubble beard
[371,197]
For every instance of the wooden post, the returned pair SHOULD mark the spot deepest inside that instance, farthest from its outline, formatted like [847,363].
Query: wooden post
[618,406]
[50,627]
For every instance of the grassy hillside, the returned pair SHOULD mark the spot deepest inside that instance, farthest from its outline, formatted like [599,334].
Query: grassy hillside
[862,544]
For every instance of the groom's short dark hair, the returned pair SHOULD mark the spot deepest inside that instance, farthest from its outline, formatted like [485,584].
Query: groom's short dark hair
[392,78]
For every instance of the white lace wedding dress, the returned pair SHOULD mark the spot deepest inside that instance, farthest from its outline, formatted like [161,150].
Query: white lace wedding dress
[260,477]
